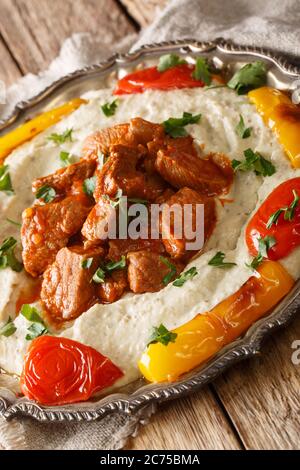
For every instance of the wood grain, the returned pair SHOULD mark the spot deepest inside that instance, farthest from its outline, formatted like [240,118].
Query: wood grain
[262,395]
[144,11]
[35,29]
[195,422]
[9,71]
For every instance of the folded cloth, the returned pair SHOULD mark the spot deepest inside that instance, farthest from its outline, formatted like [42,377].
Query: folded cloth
[267,23]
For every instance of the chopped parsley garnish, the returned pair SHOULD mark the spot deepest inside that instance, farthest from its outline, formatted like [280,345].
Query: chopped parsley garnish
[8,329]
[241,130]
[109,109]
[256,162]
[65,158]
[289,212]
[38,327]
[168,61]
[168,277]
[250,76]
[162,335]
[218,261]
[5,181]
[202,72]
[87,263]
[46,193]
[189,274]
[175,126]
[62,138]
[13,222]
[136,200]
[89,185]
[264,244]
[7,255]
[112,265]
[99,276]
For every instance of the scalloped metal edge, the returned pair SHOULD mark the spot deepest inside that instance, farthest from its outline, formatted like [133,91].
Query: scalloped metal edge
[248,346]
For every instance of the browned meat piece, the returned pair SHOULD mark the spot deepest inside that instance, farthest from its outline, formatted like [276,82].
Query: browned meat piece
[96,226]
[119,247]
[113,287]
[63,179]
[67,290]
[184,169]
[174,245]
[164,196]
[46,229]
[101,141]
[119,172]
[144,131]
[147,272]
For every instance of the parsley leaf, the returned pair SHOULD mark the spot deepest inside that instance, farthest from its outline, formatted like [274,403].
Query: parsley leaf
[241,130]
[46,193]
[264,244]
[289,212]
[5,181]
[189,274]
[256,162]
[112,265]
[38,327]
[13,222]
[168,277]
[87,263]
[168,61]
[202,72]
[89,185]
[109,109]
[99,276]
[274,218]
[65,158]
[62,138]
[162,335]
[7,255]
[250,76]
[175,126]
[218,261]
[8,329]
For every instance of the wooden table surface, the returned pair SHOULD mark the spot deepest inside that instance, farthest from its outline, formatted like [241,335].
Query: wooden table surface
[256,404]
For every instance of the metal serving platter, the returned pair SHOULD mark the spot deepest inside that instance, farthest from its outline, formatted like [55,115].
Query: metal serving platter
[137,395]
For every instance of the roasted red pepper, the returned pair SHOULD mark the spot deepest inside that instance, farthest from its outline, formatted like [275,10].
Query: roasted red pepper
[180,76]
[59,370]
[286,231]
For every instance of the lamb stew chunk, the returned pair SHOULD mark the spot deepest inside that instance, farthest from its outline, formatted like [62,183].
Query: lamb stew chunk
[65,238]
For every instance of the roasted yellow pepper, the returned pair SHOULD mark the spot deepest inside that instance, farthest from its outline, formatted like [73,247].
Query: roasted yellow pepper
[30,129]
[206,334]
[282,116]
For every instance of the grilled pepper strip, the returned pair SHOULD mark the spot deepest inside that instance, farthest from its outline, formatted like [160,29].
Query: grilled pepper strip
[206,334]
[282,116]
[30,129]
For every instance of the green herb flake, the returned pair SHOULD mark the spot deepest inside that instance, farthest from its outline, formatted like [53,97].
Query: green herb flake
[250,76]
[162,335]
[99,276]
[65,158]
[175,126]
[38,327]
[46,194]
[13,222]
[89,185]
[109,109]
[189,274]
[218,261]
[87,263]
[168,277]
[168,61]
[59,139]
[35,330]
[8,329]
[202,71]
[241,130]
[254,161]
[5,180]
[7,255]
[264,244]
[289,212]
[113,265]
